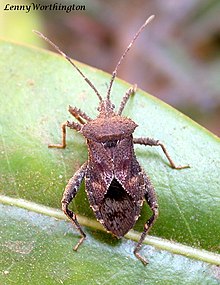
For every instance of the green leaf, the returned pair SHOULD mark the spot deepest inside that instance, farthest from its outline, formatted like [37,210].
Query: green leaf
[37,249]
[36,89]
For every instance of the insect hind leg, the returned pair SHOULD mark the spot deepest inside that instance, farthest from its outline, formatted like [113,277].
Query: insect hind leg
[151,200]
[68,195]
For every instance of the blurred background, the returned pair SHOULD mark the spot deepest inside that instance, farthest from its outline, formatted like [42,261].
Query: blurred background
[176,58]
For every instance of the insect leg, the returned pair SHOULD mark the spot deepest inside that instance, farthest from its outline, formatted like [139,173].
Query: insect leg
[68,195]
[151,200]
[130,91]
[152,142]
[72,125]
[79,115]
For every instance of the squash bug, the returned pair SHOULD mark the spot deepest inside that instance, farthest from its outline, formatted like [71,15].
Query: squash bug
[115,183]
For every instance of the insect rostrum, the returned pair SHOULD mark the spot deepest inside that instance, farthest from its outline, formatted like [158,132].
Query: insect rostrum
[115,183]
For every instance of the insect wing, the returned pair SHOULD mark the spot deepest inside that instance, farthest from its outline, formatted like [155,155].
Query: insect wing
[116,187]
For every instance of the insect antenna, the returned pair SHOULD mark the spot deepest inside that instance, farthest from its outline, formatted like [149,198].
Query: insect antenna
[70,60]
[114,73]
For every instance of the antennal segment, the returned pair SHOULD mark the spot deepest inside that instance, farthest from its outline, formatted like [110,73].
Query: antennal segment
[125,52]
[70,60]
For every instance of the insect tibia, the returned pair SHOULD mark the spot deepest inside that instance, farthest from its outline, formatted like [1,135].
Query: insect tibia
[131,91]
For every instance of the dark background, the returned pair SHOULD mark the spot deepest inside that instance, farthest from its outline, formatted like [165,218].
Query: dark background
[176,58]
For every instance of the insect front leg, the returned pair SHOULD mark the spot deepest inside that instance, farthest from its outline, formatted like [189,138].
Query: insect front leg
[68,195]
[153,142]
[131,91]
[79,115]
[72,125]
[151,200]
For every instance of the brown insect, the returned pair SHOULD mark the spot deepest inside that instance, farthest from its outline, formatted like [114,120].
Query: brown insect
[116,185]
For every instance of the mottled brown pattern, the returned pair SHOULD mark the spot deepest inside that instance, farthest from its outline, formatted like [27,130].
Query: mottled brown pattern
[115,183]
[116,172]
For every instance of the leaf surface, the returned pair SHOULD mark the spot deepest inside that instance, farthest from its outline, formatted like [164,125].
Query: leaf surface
[36,89]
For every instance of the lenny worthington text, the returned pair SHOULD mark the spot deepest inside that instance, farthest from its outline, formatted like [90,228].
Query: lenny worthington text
[42,7]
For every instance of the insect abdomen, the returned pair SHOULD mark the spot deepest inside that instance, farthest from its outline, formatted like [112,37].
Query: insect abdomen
[118,210]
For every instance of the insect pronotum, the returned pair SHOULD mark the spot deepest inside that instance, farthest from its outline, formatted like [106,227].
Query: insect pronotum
[115,183]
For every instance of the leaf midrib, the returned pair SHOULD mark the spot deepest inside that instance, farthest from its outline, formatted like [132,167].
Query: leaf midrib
[170,246]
